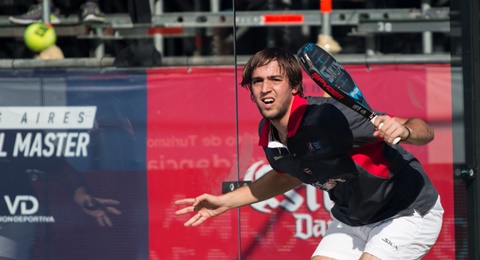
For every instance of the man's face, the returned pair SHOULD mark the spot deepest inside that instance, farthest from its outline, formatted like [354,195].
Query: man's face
[271,91]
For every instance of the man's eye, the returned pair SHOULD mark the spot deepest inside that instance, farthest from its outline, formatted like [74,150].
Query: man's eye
[276,79]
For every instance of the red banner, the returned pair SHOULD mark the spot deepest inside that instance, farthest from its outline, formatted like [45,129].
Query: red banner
[202,132]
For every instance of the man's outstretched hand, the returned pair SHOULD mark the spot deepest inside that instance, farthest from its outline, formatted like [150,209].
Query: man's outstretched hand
[206,206]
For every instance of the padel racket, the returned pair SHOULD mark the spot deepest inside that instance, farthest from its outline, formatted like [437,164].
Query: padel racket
[335,80]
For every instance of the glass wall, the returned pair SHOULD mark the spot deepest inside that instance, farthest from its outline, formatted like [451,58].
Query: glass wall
[145,107]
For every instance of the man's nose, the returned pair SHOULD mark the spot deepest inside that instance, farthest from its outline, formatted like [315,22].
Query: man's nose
[266,86]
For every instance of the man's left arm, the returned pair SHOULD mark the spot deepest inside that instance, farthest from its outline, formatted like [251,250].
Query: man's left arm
[411,130]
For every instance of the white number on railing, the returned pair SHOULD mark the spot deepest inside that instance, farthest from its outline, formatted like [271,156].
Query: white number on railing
[384,27]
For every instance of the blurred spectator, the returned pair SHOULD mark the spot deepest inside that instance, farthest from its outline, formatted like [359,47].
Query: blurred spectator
[89,12]
[51,53]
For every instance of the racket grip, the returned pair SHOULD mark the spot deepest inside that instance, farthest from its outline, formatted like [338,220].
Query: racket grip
[396,140]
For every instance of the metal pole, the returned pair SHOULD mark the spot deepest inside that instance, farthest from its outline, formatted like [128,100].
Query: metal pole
[465,44]
[370,44]
[215,6]
[270,31]
[158,38]
[427,36]
[471,83]
[100,49]
[305,28]
[326,9]
[46,11]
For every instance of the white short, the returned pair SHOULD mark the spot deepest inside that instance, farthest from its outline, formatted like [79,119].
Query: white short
[406,237]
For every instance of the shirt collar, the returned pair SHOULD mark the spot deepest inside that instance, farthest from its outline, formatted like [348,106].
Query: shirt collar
[299,106]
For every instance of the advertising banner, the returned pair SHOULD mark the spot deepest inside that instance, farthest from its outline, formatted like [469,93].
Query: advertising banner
[207,139]
[72,160]
[92,161]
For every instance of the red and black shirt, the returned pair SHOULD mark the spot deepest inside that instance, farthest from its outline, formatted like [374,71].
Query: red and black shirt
[333,148]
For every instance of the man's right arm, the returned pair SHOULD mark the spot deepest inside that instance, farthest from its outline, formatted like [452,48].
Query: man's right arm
[207,206]
[269,185]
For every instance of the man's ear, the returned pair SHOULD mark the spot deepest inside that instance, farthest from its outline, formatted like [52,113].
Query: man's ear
[294,90]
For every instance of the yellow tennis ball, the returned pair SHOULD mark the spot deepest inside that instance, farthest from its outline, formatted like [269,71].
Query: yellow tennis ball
[39,36]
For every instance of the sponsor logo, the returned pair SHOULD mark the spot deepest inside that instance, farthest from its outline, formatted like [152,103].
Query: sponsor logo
[306,226]
[333,71]
[61,117]
[390,243]
[314,146]
[55,140]
[356,94]
[22,209]
[21,203]
[333,92]
[276,158]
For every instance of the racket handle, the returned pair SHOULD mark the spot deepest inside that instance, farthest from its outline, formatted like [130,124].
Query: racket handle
[396,140]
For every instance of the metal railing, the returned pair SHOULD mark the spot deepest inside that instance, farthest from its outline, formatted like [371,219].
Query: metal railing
[108,62]
[364,22]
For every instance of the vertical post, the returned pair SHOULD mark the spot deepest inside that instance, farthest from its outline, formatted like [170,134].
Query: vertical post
[305,28]
[214,6]
[471,83]
[270,32]
[467,37]
[326,9]
[216,39]
[325,39]
[158,38]
[198,44]
[370,43]
[46,11]
[427,36]
[100,49]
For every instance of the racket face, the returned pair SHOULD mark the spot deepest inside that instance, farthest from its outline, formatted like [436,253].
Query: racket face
[333,78]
